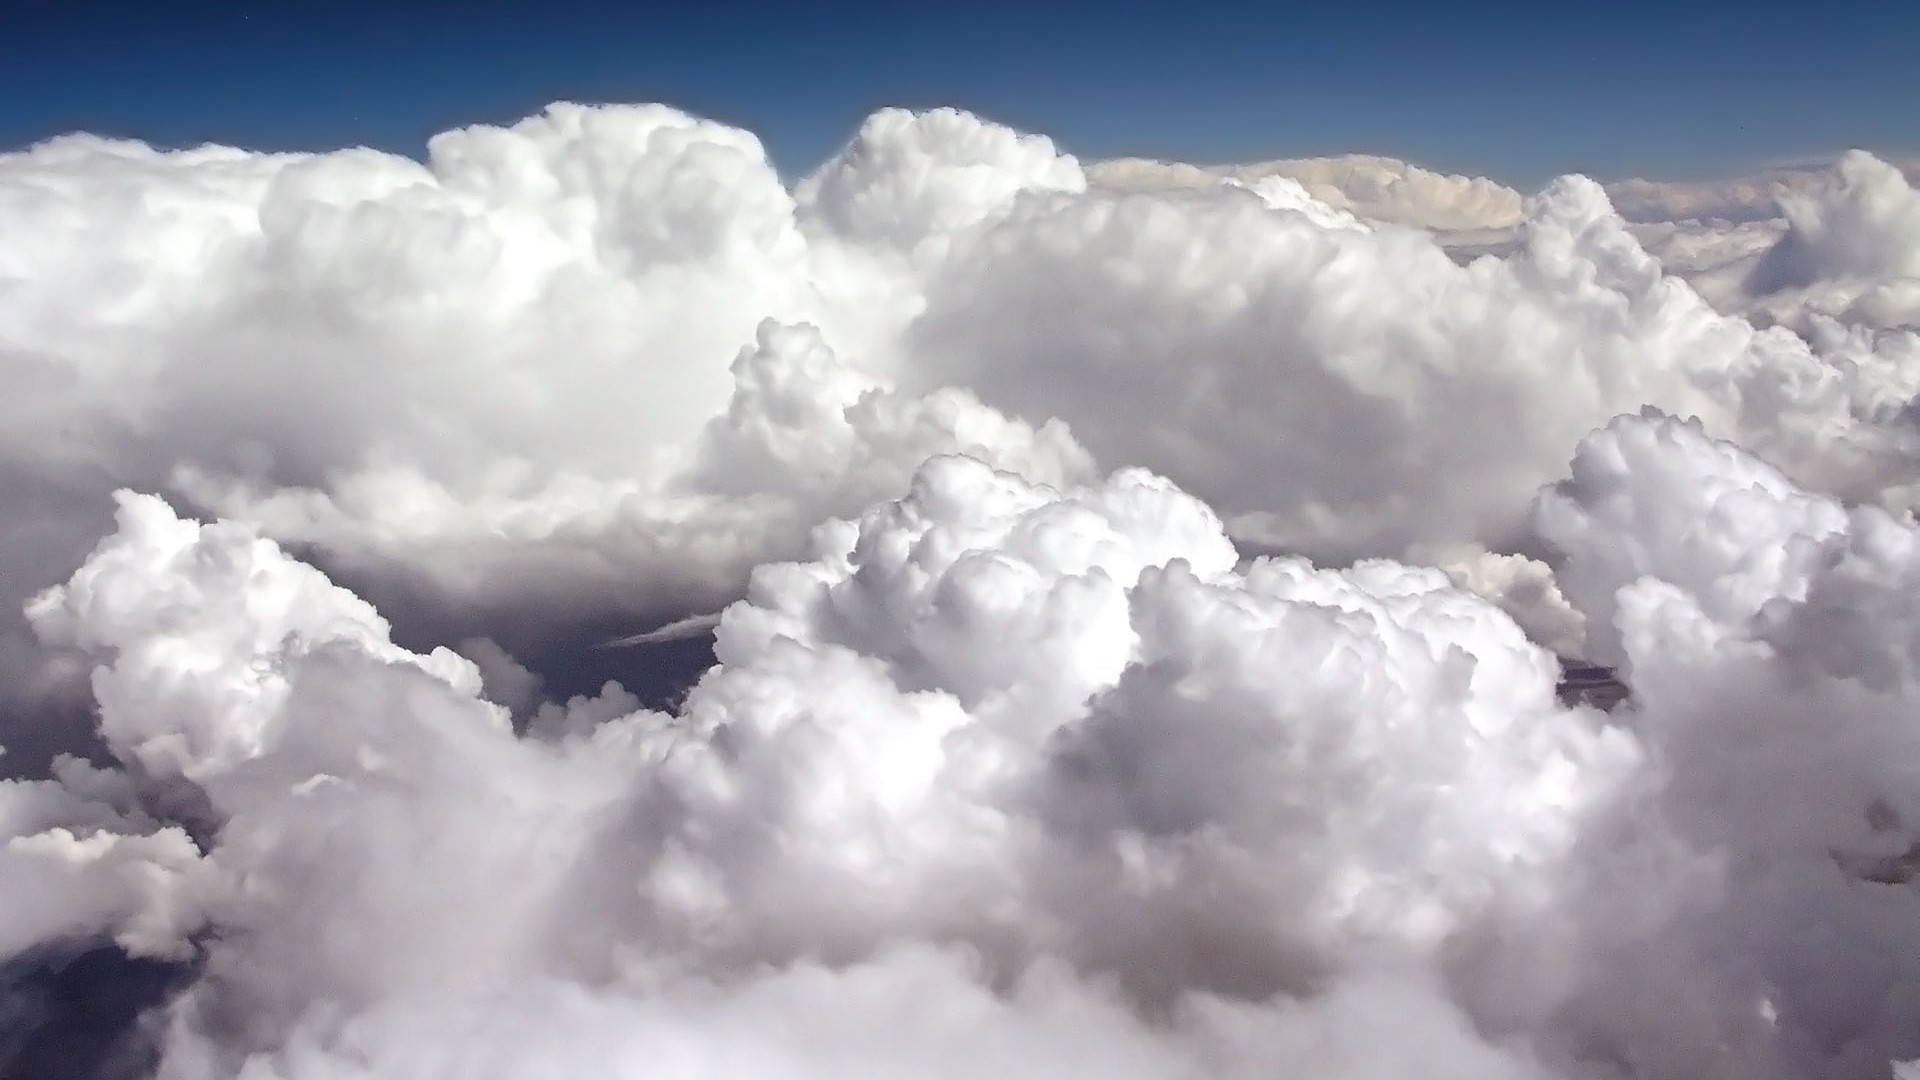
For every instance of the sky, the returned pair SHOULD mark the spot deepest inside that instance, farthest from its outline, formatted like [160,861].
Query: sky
[1520,92]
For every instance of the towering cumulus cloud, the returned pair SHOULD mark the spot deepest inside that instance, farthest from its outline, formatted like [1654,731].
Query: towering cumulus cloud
[1081,704]
[604,359]
[1852,247]
[1811,247]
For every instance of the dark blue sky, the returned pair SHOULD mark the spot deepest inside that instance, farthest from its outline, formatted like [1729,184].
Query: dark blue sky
[1520,91]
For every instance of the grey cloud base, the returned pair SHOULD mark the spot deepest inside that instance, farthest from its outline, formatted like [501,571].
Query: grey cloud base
[1004,768]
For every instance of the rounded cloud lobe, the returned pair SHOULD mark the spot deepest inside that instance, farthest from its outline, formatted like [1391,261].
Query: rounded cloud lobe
[522,374]
[499,379]
[1819,247]
[1010,777]
[1852,247]
[1003,767]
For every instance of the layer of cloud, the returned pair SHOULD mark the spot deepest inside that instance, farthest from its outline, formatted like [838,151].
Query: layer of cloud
[1008,779]
[1376,188]
[604,359]
[1347,391]
[573,364]
[1014,770]
[1734,200]
[1851,250]
[1808,246]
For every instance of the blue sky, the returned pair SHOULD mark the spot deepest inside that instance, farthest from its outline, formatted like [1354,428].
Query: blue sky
[1517,91]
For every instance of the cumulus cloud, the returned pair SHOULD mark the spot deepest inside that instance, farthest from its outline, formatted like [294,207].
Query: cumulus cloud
[923,758]
[1706,253]
[1003,766]
[1735,200]
[1754,615]
[1808,246]
[1376,188]
[1007,778]
[1738,200]
[1347,391]
[1851,248]
[573,363]
[1524,588]
[604,359]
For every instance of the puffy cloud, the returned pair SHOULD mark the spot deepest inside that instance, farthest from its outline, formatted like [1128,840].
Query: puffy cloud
[603,361]
[1834,242]
[1740,199]
[1012,768]
[501,376]
[802,436]
[1524,588]
[1351,391]
[1010,777]
[1060,728]
[907,180]
[1852,247]
[1376,188]
[1700,252]
[1769,637]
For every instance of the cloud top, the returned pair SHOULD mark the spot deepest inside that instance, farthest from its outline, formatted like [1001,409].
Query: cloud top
[1081,703]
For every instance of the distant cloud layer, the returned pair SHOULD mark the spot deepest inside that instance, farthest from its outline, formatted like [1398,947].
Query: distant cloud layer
[1378,188]
[1015,760]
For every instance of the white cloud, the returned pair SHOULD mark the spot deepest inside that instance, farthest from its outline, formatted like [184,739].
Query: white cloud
[1010,778]
[1701,252]
[1376,188]
[1350,391]
[1035,764]
[1834,242]
[1522,587]
[977,712]
[566,365]
[504,373]
[1733,200]
[1769,638]
[1851,249]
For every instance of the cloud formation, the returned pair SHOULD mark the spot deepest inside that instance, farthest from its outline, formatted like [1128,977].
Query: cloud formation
[1851,249]
[1733,200]
[1016,758]
[1811,247]
[576,362]
[1008,778]
[605,358]
[1376,188]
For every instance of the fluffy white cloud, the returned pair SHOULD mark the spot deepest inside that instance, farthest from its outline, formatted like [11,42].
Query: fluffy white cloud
[1524,588]
[501,374]
[604,360]
[1834,243]
[1014,770]
[1008,778]
[1851,249]
[1702,252]
[1057,728]
[1736,200]
[1353,391]
[1769,637]
[1377,188]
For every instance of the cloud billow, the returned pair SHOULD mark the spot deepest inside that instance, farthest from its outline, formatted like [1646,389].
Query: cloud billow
[1013,757]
